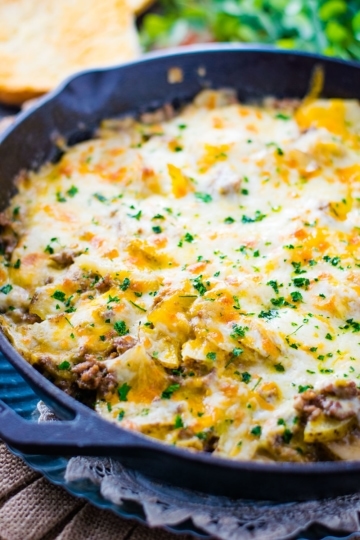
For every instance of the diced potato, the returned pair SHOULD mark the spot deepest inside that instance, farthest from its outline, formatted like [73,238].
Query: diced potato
[348,450]
[324,429]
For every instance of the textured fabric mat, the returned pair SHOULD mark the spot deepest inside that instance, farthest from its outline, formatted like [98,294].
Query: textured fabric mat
[33,509]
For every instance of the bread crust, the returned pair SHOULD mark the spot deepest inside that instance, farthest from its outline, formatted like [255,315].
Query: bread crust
[44,41]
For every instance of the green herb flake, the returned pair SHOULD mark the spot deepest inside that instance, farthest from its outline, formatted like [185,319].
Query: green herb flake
[123,391]
[65,365]
[199,285]
[125,284]
[6,288]
[59,197]
[256,431]
[121,328]
[268,315]
[59,295]
[72,191]
[296,296]
[121,415]
[238,331]
[301,282]
[136,216]
[101,198]
[211,355]
[279,367]
[204,197]
[302,389]
[167,394]
[229,220]
[274,285]
[178,422]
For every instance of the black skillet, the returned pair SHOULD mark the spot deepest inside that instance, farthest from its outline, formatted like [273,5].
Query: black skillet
[73,111]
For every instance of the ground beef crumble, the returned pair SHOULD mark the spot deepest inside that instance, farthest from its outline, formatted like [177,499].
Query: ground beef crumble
[330,400]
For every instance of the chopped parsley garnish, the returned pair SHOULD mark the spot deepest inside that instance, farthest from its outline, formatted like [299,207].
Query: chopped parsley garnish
[121,415]
[282,116]
[136,216]
[244,192]
[332,260]
[302,389]
[256,431]
[274,285]
[169,391]
[199,285]
[258,217]
[287,436]
[211,355]
[121,328]
[301,282]
[353,324]
[59,295]
[100,197]
[204,197]
[237,351]
[329,337]
[6,288]
[72,191]
[125,284]
[271,314]
[178,422]
[60,197]
[296,296]
[49,249]
[64,365]
[188,237]
[297,268]
[123,391]
[229,220]
[158,216]
[157,229]
[113,299]
[278,301]
[238,331]
[245,377]
[137,306]
[279,367]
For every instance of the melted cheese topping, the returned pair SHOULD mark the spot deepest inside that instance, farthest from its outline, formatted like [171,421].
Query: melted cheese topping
[210,263]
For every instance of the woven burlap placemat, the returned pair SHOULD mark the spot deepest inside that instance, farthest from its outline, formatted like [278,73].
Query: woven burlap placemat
[33,509]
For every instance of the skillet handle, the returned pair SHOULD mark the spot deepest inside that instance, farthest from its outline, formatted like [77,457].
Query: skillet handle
[84,435]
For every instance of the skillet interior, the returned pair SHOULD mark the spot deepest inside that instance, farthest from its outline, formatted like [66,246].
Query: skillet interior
[73,112]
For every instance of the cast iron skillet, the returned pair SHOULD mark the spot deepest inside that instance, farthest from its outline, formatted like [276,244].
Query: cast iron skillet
[73,111]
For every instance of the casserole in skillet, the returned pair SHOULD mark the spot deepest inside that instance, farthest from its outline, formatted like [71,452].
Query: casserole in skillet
[242,329]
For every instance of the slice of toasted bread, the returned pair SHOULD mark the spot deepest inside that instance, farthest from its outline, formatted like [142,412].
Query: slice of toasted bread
[44,41]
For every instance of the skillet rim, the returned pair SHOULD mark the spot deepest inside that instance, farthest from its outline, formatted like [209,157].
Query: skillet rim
[70,405]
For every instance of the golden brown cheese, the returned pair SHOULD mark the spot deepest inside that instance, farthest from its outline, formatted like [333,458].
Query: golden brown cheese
[200,275]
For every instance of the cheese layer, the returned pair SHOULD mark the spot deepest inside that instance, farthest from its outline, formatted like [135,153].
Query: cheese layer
[201,275]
